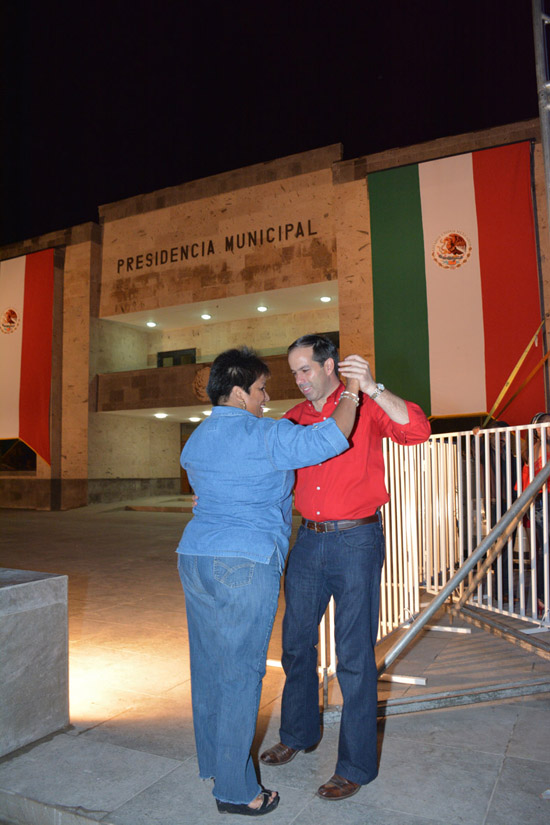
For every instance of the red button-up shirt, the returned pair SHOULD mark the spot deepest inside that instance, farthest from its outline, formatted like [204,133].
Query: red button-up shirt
[352,484]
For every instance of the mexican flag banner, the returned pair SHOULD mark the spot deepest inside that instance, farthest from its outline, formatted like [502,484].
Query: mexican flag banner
[456,283]
[26,317]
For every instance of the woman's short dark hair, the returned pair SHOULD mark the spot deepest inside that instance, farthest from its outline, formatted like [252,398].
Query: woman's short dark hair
[234,368]
[323,348]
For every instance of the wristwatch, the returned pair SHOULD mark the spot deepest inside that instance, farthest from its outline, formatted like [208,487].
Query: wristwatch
[379,389]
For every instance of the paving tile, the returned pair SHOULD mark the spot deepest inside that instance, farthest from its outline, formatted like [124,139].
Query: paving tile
[484,727]
[94,701]
[131,638]
[354,812]
[530,738]
[143,672]
[183,799]
[442,783]
[87,777]
[132,735]
[517,794]
[162,726]
[127,613]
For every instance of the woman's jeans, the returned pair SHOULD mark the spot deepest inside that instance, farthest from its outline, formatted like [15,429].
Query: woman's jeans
[346,564]
[231,605]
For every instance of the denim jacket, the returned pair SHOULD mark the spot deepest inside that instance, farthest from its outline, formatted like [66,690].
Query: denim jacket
[241,468]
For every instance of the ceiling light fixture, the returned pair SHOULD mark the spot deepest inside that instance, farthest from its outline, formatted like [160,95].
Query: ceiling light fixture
[207,412]
[262,309]
[194,418]
[325,299]
[161,415]
[205,316]
[151,324]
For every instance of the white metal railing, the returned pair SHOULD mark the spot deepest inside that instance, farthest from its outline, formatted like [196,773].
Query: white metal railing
[404,531]
[472,480]
[445,496]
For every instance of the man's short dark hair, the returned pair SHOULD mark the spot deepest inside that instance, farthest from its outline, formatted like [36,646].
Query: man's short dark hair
[234,368]
[323,348]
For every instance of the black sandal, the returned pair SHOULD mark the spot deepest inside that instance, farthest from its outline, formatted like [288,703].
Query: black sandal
[245,810]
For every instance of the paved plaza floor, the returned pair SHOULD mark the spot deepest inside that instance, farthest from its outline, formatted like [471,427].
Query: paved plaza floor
[128,757]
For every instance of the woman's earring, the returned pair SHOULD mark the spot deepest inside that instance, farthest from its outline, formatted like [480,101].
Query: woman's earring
[243,403]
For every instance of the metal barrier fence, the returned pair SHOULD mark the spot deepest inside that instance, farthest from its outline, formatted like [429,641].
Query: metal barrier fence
[405,535]
[470,481]
[446,495]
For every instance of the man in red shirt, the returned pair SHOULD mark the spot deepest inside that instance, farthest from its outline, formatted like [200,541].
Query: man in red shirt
[339,552]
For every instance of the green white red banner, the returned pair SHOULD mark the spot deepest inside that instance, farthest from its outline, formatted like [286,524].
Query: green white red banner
[456,282]
[26,327]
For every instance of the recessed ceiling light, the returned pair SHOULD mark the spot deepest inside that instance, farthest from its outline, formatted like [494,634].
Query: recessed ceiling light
[205,316]
[267,409]
[194,418]
[262,309]
[207,412]
[151,323]
[325,299]
[161,415]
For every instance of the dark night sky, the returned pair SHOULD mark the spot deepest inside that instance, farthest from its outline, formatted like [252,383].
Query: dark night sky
[104,100]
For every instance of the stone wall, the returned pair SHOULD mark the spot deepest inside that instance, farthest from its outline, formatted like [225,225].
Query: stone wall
[115,347]
[133,448]
[266,337]
[274,229]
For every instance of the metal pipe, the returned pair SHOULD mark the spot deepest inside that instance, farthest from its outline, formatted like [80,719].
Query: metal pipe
[515,512]
[540,20]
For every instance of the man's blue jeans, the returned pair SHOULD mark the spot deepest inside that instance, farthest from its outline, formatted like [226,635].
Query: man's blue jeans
[231,604]
[346,564]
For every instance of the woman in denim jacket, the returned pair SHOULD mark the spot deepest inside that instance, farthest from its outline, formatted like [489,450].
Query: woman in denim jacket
[231,556]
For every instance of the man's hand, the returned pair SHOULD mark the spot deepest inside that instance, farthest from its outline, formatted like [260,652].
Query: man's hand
[354,366]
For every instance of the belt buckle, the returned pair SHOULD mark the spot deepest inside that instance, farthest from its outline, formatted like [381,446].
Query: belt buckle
[319,527]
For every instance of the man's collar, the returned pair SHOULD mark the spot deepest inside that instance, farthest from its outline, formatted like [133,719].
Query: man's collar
[332,399]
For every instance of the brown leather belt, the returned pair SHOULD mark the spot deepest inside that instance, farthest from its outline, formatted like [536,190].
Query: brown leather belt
[331,526]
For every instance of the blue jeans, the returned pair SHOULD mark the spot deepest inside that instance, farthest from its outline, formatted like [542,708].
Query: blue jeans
[345,564]
[231,604]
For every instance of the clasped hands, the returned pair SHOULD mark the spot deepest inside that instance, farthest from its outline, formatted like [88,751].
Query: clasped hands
[356,367]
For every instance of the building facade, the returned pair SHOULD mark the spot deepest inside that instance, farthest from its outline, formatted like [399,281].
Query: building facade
[282,234]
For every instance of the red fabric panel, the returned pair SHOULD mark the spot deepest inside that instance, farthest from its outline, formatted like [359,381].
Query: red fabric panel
[36,354]
[509,275]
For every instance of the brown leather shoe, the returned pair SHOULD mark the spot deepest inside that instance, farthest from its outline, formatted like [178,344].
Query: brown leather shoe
[280,754]
[337,788]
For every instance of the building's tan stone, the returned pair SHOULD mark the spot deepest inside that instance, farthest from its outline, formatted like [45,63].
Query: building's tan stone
[295,214]
[97,285]
[268,336]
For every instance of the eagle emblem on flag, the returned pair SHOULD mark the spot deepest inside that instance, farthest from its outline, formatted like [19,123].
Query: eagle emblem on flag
[451,250]
[10,320]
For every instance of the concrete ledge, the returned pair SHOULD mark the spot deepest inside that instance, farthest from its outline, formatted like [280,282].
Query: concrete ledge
[107,490]
[23,811]
[34,657]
